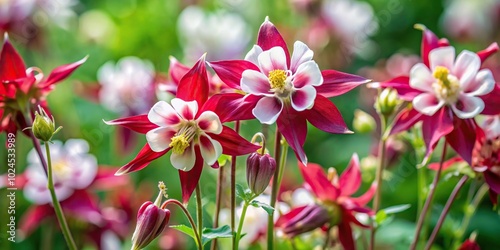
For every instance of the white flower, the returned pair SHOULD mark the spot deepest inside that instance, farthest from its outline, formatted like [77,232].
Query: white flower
[491,126]
[72,168]
[127,86]
[15,10]
[456,84]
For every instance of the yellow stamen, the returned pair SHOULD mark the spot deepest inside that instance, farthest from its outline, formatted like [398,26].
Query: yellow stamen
[447,86]
[179,143]
[441,74]
[277,79]
[60,169]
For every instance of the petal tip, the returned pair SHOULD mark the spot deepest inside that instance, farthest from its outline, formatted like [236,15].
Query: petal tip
[419,26]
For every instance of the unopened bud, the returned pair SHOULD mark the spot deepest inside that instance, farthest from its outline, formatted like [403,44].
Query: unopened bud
[260,170]
[44,126]
[312,217]
[363,122]
[387,102]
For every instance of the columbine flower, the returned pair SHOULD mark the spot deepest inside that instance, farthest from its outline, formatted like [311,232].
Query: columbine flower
[333,205]
[283,89]
[191,127]
[444,93]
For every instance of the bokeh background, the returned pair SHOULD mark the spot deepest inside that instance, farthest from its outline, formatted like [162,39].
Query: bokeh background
[373,38]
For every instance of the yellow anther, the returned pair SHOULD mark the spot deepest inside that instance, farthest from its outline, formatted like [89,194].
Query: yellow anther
[447,86]
[277,79]
[441,74]
[179,143]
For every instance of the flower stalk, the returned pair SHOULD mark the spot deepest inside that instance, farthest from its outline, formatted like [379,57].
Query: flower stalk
[233,187]
[275,189]
[199,210]
[188,216]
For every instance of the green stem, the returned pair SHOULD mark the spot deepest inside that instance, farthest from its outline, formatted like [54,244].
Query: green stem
[428,201]
[199,209]
[57,207]
[233,187]
[327,238]
[240,225]
[379,175]
[190,219]
[218,200]
[274,192]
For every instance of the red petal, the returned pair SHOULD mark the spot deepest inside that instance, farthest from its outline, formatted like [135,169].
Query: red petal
[83,205]
[463,138]
[436,126]
[142,160]
[345,236]
[405,120]
[232,143]
[230,71]
[493,181]
[429,42]
[336,83]
[402,85]
[11,64]
[316,179]
[350,180]
[62,72]
[177,70]
[270,37]
[283,219]
[485,53]
[232,106]
[366,197]
[34,217]
[294,128]
[138,123]
[492,102]
[446,164]
[106,179]
[493,197]
[325,116]
[194,84]
[190,179]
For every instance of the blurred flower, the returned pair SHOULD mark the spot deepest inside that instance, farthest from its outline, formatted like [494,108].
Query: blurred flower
[396,65]
[333,204]
[58,11]
[444,94]
[285,89]
[470,244]
[474,20]
[363,122]
[13,11]
[221,35]
[191,126]
[96,26]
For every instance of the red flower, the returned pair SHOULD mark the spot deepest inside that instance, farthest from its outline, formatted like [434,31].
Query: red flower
[284,89]
[21,89]
[191,126]
[446,94]
[333,197]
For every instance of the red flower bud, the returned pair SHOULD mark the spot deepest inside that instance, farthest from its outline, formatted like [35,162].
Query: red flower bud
[151,220]
[260,170]
[310,218]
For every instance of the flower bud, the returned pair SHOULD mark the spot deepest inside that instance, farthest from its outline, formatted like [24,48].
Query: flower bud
[44,126]
[387,102]
[260,170]
[311,217]
[363,122]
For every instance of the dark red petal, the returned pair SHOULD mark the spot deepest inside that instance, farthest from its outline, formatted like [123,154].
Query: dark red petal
[469,245]
[34,217]
[190,179]
[83,205]
[293,126]
[11,64]
[366,197]
[350,180]
[493,181]
[402,85]
[435,127]
[485,53]
[232,143]
[492,102]
[232,106]
[325,116]
[60,73]
[493,197]
[316,179]
[429,42]
[142,160]
[405,120]
[283,219]
[176,70]
[230,71]
[446,164]
[138,123]
[336,83]
[463,138]
[345,236]
[106,179]
[194,85]
[270,37]
[126,139]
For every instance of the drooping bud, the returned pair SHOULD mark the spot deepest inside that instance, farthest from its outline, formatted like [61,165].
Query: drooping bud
[387,102]
[44,126]
[311,217]
[151,221]
[260,170]
[363,122]
[470,244]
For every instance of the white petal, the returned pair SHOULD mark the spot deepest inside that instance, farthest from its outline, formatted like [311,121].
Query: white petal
[184,161]
[427,104]
[491,126]
[468,106]
[186,110]
[76,147]
[466,67]
[272,59]
[83,171]
[444,56]
[210,149]
[268,109]
[163,115]
[159,139]
[208,121]
[253,54]
[303,98]
[482,84]
[301,54]
[307,74]
[254,82]
[421,78]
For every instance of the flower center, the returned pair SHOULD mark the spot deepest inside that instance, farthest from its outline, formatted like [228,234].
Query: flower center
[183,138]
[61,169]
[277,80]
[447,86]
[488,154]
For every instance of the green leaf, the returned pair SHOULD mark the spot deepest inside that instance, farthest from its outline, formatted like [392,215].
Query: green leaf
[243,193]
[396,209]
[264,206]
[384,216]
[380,217]
[185,229]
[213,233]
[223,159]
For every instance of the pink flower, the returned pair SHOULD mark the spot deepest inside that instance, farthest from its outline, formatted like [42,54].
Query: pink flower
[284,89]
